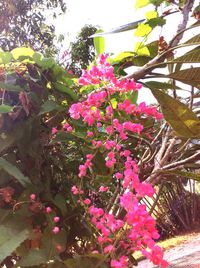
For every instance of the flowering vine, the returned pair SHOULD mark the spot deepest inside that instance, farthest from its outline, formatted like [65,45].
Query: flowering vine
[125,225]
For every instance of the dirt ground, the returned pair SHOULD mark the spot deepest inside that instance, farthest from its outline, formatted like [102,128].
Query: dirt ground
[186,255]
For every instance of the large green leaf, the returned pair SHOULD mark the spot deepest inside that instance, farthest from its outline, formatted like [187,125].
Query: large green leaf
[47,251]
[49,106]
[143,29]
[123,28]
[150,49]
[13,171]
[188,76]
[12,241]
[142,3]
[10,87]
[88,261]
[5,108]
[160,85]
[5,57]
[178,115]
[99,43]
[184,174]
[64,89]
[192,56]
[122,56]
[194,40]
[22,53]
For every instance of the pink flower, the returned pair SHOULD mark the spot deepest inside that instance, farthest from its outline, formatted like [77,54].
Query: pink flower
[75,190]
[69,129]
[118,175]
[90,134]
[103,189]
[48,210]
[111,155]
[109,248]
[53,130]
[87,201]
[32,197]
[56,219]
[110,163]
[122,263]
[56,230]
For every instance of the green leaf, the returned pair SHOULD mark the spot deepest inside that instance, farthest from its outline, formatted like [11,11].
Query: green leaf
[47,63]
[141,49]
[160,85]
[132,96]
[5,57]
[120,29]
[99,43]
[156,22]
[143,29]
[10,87]
[60,202]
[151,15]
[5,109]
[64,89]
[195,40]
[122,56]
[178,115]
[188,76]
[22,53]
[49,106]
[184,174]
[47,251]
[38,57]
[192,56]
[141,3]
[150,49]
[63,137]
[86,261]
[114,103]
[10,240]
[14,171]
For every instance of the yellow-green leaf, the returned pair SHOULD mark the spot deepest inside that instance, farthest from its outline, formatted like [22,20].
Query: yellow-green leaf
[189,76]
[151,15]
[14,171]
[141,50]
[99,43]
[22,52]
[141,3]
[143,30]
[5,109]
[184,122]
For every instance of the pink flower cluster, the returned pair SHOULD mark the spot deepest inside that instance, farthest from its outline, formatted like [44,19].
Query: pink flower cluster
[128,227]
[142,108]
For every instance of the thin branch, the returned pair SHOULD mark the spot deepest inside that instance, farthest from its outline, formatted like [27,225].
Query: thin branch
[182,162]
[148,67]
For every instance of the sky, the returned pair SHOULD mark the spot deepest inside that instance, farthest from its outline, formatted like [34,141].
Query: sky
[108,14]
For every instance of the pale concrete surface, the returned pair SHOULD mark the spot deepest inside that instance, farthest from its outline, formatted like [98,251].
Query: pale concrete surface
[186,255]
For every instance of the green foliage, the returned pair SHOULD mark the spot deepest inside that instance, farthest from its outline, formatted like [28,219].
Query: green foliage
[178,115]
[23,23]
[99,43]
[5,109]
[34,104]
[143,30]
[13,171]
[188,76]
[87,261]
[82,52]
[141,3]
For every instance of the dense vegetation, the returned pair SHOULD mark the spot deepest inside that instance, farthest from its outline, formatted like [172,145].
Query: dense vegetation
[79,157]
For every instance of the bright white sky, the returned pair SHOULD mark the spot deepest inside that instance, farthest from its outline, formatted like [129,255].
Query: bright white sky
[109,14]
[104,13]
